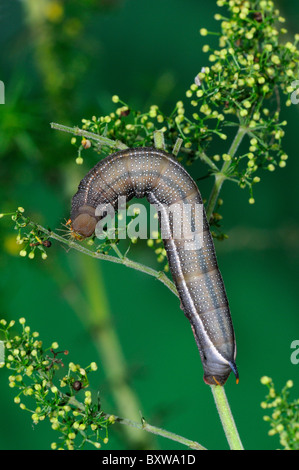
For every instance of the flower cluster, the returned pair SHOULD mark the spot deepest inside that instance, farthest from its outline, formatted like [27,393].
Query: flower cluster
[240,88]
[135,128]
[32,241]
[249,71]
[284,418]
[65,401]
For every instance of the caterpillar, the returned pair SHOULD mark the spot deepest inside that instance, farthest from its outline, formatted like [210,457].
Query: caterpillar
[158,176]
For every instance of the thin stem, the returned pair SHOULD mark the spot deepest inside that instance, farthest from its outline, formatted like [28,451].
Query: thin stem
[160,275]
[226,417]
[144,426]
[203,156]
[219,179]
[234,147]
[221,175]
[90,135]
[161,432]
[117,251]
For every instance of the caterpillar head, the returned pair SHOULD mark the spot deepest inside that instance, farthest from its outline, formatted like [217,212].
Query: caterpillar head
[83,226]
[84,223]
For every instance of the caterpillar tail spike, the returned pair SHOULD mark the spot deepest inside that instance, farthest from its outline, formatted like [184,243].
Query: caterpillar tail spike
[235,370]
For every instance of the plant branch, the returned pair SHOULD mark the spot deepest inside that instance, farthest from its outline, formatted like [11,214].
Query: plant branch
[226,417]
[242,131]
[221,175]
[117,144]
[160,275]
[204,158]
[160,432]
[144,426]
[219,179]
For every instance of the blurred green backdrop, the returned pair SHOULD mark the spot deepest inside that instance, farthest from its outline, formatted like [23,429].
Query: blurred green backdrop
[62,61]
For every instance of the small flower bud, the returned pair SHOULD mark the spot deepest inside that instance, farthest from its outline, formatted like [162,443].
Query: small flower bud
[265,380]
[203,31]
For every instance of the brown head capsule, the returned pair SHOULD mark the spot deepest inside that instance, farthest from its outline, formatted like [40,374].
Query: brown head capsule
[84,225]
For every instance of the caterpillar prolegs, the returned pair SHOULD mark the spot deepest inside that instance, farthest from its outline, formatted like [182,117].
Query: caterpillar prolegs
[156,175]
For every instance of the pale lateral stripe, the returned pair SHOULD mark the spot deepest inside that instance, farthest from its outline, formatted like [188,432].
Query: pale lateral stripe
[194,311]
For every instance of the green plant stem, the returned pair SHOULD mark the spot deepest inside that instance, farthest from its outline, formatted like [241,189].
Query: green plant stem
[160,275]
[222,175]
[242,131]
[226,417]
[144,426]
[219,180]
[114,144]
[161,432]
[204,158]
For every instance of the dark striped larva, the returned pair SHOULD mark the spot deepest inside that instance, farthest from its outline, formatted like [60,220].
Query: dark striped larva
[154,174]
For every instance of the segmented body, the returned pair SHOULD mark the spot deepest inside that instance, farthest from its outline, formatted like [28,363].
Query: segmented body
[154,174]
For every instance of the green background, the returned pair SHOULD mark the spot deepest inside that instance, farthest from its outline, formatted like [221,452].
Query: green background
[66,68]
